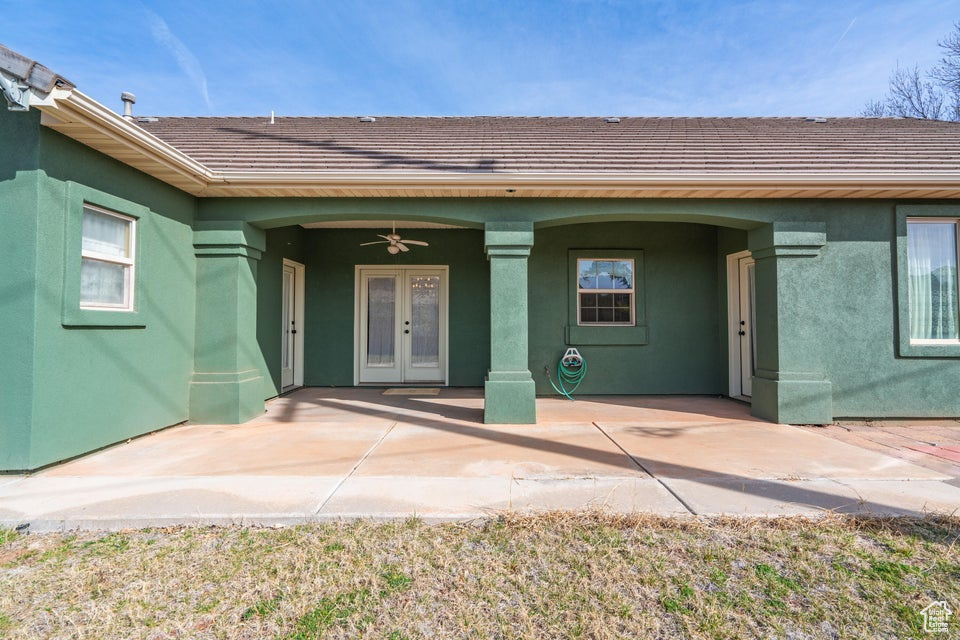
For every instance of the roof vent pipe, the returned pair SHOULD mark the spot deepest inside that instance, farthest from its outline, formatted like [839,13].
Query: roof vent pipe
[128,100]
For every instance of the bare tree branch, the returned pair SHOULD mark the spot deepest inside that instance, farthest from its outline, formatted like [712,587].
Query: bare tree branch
[874,109]
[947,71]
[911,97]
[934,95]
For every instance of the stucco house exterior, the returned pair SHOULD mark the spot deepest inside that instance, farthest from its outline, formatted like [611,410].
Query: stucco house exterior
[157,270]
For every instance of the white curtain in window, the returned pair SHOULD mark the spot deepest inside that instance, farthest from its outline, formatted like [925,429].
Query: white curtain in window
[102,282]
[105,234]
[286,356]
[932,257]
[381,312]
[425,309]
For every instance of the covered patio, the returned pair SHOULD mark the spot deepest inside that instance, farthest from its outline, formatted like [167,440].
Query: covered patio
[330,453]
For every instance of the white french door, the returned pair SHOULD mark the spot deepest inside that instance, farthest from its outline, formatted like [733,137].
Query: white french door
[401,332]
[291,325]
[742,304]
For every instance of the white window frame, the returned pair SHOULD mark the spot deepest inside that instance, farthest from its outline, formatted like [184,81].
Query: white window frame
[631,291]
[128,262]
[956,233]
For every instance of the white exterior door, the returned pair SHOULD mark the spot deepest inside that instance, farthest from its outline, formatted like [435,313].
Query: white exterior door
[748,318]
[741,301]
[291,325]
[401,325]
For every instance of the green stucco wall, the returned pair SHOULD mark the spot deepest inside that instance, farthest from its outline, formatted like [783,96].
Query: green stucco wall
[330,257]
[79,388]
[101,385]
[19,178]
[286,242]
[679,285]
[851,326]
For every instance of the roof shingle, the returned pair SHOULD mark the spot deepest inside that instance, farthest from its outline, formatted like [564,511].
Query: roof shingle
[642,146]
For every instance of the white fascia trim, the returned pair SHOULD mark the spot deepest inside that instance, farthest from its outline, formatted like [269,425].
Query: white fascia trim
[589,180]
[71,106]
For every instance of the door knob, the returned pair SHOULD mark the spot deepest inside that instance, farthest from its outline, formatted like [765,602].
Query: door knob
[743,333]
[406,330]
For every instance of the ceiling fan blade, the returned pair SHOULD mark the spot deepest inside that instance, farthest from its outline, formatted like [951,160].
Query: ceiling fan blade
[402,246]
[417,242]
[363,244]
[387,238]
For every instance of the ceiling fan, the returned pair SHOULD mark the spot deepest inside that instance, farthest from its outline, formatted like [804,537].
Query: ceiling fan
[395,244]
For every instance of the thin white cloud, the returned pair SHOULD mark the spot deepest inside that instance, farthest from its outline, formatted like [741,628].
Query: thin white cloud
[844,35]
[187,62]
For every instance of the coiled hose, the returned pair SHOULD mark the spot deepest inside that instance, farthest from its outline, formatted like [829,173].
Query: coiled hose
[569,375]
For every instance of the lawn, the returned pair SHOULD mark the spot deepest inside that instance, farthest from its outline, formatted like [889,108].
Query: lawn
[554,576]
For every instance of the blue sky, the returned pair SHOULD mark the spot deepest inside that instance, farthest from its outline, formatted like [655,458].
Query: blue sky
[574,57]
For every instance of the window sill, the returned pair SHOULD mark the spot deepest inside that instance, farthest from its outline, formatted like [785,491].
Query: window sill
[924,349]
[103,318]
[609,335]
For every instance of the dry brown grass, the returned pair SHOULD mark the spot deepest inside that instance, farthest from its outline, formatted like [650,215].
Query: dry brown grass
[555,576]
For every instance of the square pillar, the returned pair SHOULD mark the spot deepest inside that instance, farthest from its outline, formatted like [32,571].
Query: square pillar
[789,385]
[226,387]
[509,391]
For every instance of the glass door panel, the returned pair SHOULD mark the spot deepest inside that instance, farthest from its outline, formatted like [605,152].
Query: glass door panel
[425,321]
[748,316]
[378,314]
[286,320]
[381,321]
[424,325]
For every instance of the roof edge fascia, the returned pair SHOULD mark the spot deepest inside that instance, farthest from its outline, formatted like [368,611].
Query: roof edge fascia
[581,179]
[73,107]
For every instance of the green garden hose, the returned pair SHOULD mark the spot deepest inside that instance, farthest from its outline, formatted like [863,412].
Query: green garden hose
[571,370]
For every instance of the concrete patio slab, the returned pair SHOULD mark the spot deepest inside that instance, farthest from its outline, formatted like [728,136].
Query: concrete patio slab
[751,497]
[322,454]
[753,449]
[666,410]
[445,498]
[364,405]
[432,498]
[895,437]
[757,497]
[916,497]
[10,479]
[117,502]
[251,449]
[443,449]
[609,495]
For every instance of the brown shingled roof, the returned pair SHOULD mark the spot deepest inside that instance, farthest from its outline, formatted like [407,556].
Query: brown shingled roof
[566,144]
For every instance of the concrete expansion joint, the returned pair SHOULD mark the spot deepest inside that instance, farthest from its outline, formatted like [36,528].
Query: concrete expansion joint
[353,470]
[636,462]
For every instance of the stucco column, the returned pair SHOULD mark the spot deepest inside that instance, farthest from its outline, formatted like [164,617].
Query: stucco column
[509,392]
[226,384]
[790,385]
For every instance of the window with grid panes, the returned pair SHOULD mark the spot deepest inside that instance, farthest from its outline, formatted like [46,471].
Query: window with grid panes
[605,291]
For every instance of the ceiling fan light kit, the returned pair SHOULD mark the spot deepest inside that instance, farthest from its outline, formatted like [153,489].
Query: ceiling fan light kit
[395,244]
